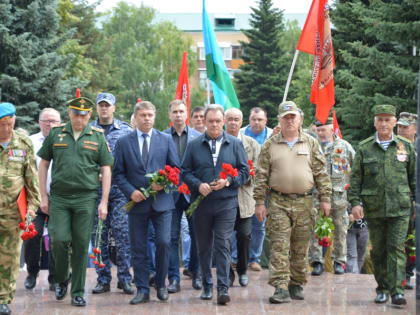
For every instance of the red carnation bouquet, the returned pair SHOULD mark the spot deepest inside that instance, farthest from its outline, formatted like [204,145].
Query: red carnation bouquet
[28,228]
[168,178]
[227,170]
[96,255]
[323,231]
[251,168]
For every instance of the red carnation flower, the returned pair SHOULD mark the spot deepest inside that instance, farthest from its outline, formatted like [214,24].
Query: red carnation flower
[161,172]
[92,256]
[101,265]
[223,175]
[22,226]
[413,259]
[31,227]
[96,250]
[168,169]
[346,187]
[95,262]
[33,233]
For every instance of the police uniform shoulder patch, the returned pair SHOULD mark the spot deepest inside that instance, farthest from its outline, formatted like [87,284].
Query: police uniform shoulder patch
[97,129]
[367,140]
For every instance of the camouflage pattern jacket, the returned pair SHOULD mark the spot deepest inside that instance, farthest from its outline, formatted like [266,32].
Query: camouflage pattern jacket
[266,165]
[339,155]
[18,170]
[382,181]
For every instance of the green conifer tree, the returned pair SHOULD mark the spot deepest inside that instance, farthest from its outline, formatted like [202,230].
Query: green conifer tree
[263,77]
[31,70]
[374,43]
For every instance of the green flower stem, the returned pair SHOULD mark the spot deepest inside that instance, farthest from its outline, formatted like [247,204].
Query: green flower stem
[194,206]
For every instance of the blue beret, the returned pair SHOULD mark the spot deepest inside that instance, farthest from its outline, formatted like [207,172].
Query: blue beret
[7,110]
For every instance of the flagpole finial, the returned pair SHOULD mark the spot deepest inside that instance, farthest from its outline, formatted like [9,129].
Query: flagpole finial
[77,93]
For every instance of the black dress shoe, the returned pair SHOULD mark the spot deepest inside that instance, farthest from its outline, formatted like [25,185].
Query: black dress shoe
[140,298]
[162,294]
[78,301]
[338,268]
[398,299]
[187,273]
[381,298]
[61,289]
[30,282]
[4,309]
[197,284]
[317,269]
[243,280]
[222,296]
[126,287]
[207,293]
[101,288]
[174,286]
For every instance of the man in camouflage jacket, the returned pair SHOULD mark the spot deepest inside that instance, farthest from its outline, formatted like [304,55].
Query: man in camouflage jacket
[382,181]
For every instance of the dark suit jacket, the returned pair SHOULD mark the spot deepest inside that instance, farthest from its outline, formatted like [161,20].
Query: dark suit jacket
[191,135]
[129,170]
[198,167]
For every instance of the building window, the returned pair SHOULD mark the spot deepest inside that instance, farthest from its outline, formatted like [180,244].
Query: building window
[236,52]
[226,53]
[224,22]
[202,53]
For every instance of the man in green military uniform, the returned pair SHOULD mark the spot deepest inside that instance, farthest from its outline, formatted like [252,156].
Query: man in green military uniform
[382,181]
[80,152]
[339,155]
[17,170]
[291,164]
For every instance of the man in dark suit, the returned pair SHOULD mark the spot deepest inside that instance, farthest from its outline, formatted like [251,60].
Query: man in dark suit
[181,135]
[141,152]
[215,217]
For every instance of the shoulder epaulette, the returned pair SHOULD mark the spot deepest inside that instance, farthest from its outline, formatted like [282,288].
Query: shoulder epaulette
[403,139]
[367,140]
[97,129]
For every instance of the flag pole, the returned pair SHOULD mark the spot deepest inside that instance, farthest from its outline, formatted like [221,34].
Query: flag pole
[292,68]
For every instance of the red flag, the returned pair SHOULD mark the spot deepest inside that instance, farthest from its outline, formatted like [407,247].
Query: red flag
[183,89]
[316,40]
[336,127]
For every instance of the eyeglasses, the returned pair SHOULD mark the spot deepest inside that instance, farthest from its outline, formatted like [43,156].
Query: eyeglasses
[49,121]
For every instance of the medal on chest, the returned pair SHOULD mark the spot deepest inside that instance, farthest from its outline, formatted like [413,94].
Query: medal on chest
[401,152]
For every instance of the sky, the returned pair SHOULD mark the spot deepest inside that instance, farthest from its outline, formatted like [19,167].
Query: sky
[212,6]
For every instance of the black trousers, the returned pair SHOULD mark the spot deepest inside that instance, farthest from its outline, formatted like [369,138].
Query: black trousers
[34,248]
[243,240]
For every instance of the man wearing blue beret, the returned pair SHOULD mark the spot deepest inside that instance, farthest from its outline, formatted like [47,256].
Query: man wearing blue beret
[17,171]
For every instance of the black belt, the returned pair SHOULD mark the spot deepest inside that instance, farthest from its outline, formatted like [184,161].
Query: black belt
[293,196]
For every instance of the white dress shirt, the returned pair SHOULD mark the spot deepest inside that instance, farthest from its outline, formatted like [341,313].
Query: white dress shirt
[38,140]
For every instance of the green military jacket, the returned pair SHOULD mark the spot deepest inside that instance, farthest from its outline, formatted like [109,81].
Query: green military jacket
[18,170]
[383,181]
[76,162]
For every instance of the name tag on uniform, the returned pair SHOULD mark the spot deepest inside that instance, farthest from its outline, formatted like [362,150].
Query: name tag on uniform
[302,153]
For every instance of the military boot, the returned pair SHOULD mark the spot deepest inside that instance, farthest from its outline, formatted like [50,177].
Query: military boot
[280,296]
[296,292]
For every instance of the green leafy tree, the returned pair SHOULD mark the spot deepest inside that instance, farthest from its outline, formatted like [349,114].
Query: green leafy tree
[263,77]
[143,59]
[32,72]
[374,43]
